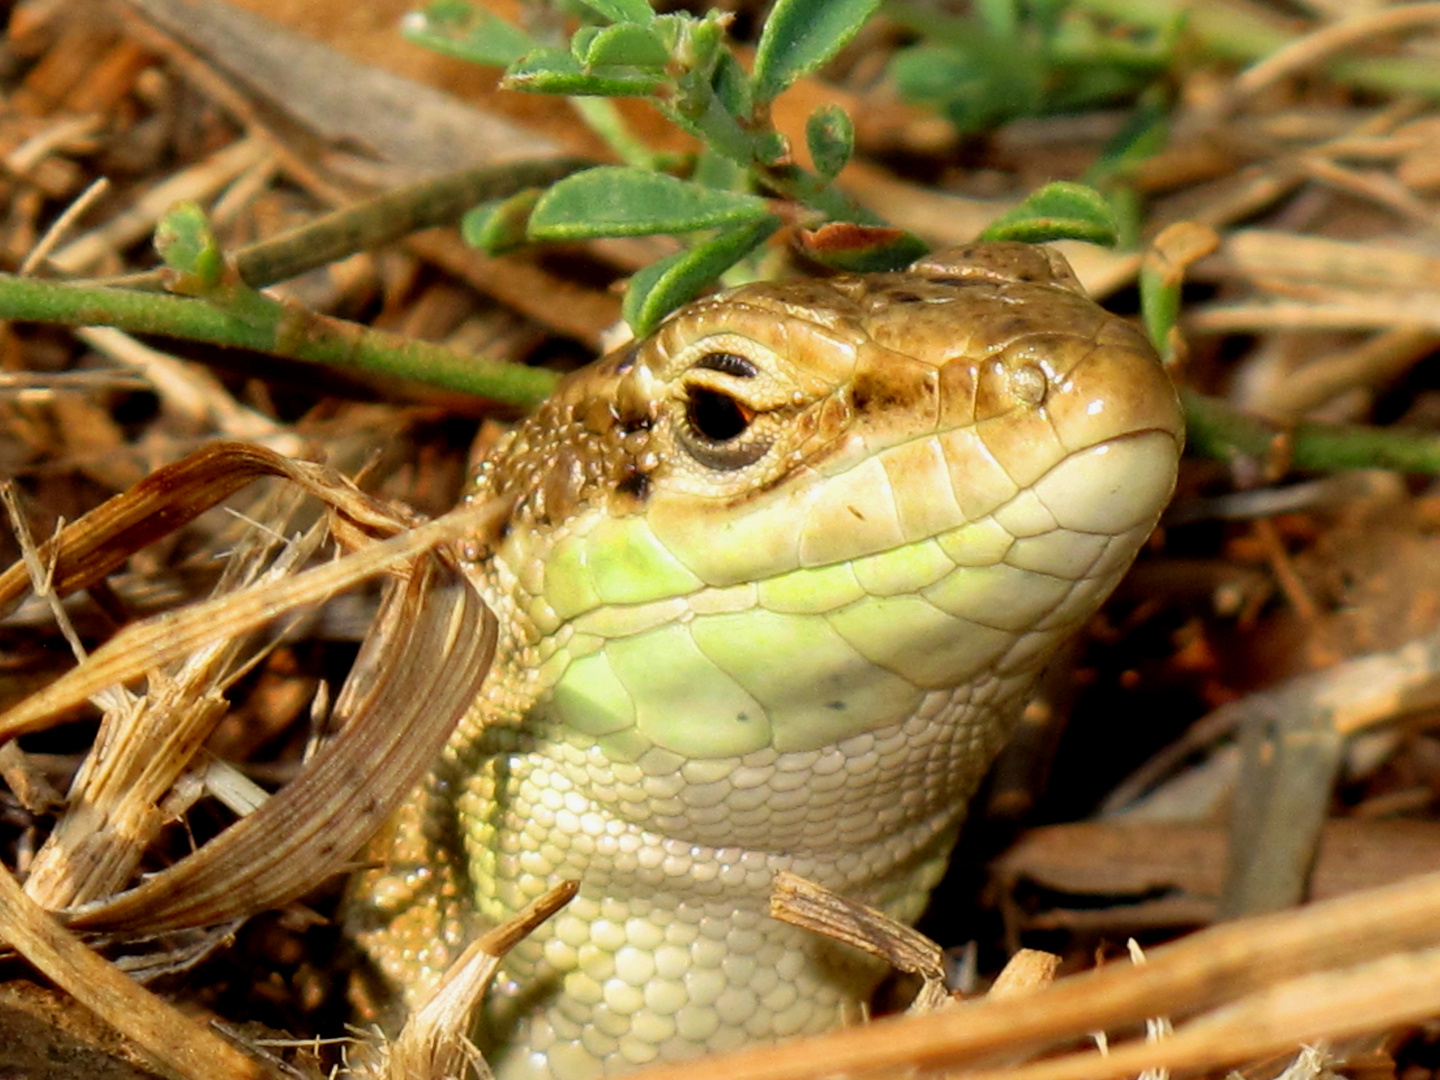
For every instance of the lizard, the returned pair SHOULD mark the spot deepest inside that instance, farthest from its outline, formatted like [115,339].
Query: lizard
[776,583]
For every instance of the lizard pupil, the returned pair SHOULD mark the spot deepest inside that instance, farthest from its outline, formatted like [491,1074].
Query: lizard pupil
[716,416]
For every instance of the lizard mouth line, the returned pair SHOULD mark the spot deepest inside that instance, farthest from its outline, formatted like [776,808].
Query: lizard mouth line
[868,637]
[1102,489]
[1074,482]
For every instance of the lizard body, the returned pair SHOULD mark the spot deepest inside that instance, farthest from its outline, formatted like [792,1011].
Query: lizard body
[777,582]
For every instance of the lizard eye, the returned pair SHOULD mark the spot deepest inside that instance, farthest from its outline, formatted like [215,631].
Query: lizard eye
[714,429]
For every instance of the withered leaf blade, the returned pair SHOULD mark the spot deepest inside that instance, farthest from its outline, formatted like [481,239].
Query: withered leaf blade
[141,647]
[418,671]
[810,906]
[173,496]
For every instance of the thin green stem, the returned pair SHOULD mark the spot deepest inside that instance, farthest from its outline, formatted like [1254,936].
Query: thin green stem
[1236,33]
[803,187]
[382,220]
[605,120]
[268,326]
[1217,431]
[714,126]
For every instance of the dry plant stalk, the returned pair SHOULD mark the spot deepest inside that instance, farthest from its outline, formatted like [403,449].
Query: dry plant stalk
[180,1046]
[418,670]
[1026,971]
[144,744]
[435,1040]
[813,907]
[398,714]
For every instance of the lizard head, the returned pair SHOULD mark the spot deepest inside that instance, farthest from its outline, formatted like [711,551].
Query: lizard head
[812,503]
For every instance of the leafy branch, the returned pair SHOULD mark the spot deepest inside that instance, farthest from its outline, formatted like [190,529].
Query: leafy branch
[218,303]
[742,187]
[739,190]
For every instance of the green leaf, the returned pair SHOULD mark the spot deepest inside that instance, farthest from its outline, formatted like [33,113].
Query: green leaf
[663,286]
[622,11]
[555,71]
[616,200]
[731,83]
[977,86]
[458,28]
[802,35]
[624,44]
[189,250]
[700,43]
[831,138]
[1058,211]
[1001,17]
[500,225]
[718,171]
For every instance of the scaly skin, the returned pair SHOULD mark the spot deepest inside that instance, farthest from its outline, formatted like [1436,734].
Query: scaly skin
[777,581]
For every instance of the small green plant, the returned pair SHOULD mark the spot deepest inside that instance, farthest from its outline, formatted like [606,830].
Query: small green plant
[742,186]
[1014,58]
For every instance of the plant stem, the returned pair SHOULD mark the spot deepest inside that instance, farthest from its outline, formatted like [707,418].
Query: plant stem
[1217,431]
[382,220]
[605,120]
[1238,34]
[795,183]
[269,326]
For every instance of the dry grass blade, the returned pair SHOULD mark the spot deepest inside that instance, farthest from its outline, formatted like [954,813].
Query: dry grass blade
[1330,1005]
[180,1046]
[400,713]
[1027,971]
[419,669]
[172,496]
[1289,259]
[173,635]
[1310,50]
[805,904]
[117,801]
[813,907]
[417,673]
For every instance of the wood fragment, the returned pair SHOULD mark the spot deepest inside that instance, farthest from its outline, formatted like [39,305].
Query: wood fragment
[180,1046]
